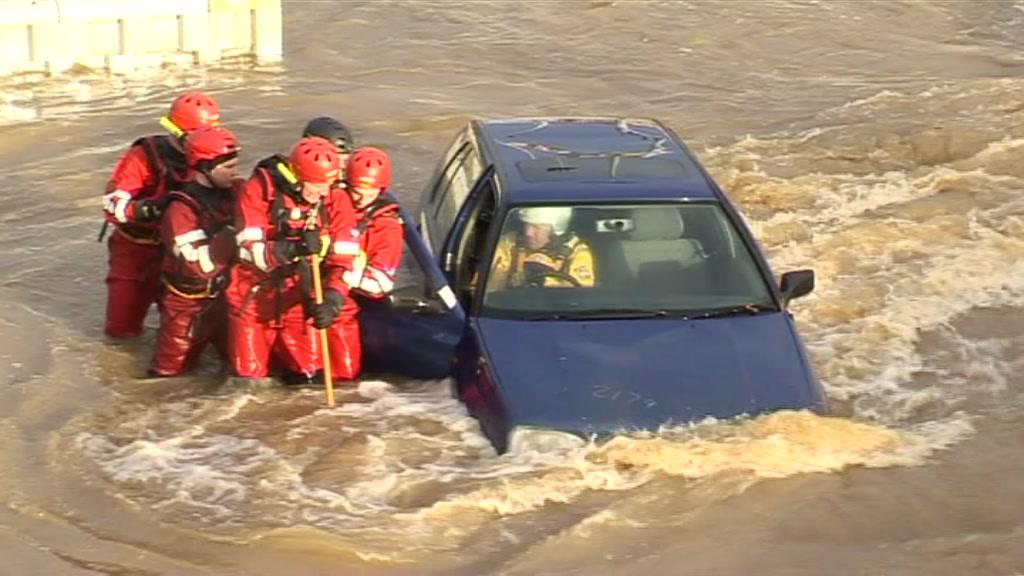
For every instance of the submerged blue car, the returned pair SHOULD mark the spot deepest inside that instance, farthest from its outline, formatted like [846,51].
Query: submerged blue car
[586,276]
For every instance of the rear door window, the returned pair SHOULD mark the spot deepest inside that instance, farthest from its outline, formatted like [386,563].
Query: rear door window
[458,179]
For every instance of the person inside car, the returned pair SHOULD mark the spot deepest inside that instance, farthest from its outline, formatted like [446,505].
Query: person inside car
[544,253]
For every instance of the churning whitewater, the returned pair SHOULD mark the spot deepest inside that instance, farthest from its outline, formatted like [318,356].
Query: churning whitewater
[879,145]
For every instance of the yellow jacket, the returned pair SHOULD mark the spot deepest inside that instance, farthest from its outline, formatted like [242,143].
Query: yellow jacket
[571,259]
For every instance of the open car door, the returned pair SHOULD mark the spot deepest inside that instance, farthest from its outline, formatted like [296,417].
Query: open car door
[415,331]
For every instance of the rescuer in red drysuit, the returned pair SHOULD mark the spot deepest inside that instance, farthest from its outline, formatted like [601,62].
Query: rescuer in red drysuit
[379,234]
[290,210]
[199,245]
[135,198]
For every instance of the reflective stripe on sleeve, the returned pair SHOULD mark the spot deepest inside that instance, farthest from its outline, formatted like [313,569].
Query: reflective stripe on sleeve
[190,237]
[350,278]
[373,281]
[186,251]
[205,262]
[259,255]
[251,234]
[116,203]
[370,286]
[346,247]
[384,280]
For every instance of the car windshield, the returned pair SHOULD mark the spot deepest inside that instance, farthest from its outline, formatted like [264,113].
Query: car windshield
[622,261]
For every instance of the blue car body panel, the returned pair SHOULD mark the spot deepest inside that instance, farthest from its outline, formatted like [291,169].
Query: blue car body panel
[599,376]
[585,376]
[415,342]
[417,345]
[476,387]
[612,157]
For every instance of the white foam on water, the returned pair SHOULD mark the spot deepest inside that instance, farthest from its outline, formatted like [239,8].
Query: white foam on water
[876,350]
[406,464]
[409,462]
[907,231]
[772,446]
[404,470]
[209,471]
[897,254]
[12,113]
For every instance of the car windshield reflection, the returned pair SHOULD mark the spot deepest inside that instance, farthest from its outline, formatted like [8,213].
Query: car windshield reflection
[623,261]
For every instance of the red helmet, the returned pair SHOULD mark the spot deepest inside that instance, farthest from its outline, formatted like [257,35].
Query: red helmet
[316,161]
[209,146]
[192,110]
[368,167]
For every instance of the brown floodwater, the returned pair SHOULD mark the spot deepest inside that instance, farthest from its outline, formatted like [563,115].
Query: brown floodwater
[881,144]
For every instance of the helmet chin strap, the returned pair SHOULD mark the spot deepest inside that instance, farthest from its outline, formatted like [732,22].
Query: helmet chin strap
[205,178]
[205,169]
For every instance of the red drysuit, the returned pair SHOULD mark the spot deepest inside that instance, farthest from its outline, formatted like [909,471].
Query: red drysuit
[141,180]
[199,245]
[267,298]
[380,236]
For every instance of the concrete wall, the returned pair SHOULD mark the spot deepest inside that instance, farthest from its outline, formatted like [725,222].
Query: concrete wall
[121,35]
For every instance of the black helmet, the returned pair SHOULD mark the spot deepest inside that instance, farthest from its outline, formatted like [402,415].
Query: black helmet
[331,130]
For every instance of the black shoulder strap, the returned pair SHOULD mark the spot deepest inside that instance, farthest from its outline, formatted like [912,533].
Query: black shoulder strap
[325,218]
[166,161]
[174,162]
[278,214]
[148,145]
[381,203]
[277,179]
[266,169]
[199,202]
[561,248]
[187,199]
[565,250]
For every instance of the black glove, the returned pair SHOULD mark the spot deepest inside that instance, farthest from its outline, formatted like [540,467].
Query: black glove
[148,210]
[327,311]
[218,283]
[313,243]
[534,272]
[286,251]
[309,243]
[223,245]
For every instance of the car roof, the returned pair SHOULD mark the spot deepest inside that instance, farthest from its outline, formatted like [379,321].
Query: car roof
[579,160]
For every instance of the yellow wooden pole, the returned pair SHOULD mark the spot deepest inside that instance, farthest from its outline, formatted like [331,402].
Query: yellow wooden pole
[318,293]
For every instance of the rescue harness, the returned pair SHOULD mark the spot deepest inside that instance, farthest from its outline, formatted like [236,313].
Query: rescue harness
[168,164]
[384,206]
[278,180]
[202,201]
[559,251]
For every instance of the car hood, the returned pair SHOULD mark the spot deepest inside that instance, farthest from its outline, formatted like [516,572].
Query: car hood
[600,376]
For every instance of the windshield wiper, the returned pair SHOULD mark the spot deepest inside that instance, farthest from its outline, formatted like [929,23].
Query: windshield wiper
[550,316]
[750,309]
[604,314]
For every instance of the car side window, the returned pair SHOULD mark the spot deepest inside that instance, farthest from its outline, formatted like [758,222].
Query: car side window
[439,181]
[456,183]
[472,241]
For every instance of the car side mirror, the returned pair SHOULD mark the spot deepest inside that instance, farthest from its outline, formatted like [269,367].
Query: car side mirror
[796,284]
